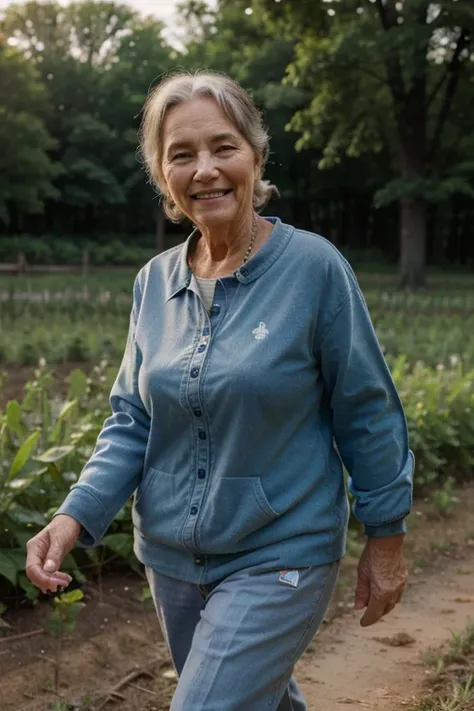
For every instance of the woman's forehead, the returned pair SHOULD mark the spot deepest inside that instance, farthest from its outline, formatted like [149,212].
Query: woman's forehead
[198,115]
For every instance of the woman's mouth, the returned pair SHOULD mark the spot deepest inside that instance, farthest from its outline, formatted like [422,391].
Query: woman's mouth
[211,194]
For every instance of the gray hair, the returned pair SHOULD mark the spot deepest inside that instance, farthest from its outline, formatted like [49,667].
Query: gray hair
[236,104]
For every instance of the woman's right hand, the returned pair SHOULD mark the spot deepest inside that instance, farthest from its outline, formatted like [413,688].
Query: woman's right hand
[47,550]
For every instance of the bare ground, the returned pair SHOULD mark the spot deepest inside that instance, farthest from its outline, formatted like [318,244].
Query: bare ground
[379,668]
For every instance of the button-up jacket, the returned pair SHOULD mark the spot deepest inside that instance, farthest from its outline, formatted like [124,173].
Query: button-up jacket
[231,427]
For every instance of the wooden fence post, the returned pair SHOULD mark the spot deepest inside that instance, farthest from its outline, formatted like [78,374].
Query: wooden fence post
[85,263]
[21,263]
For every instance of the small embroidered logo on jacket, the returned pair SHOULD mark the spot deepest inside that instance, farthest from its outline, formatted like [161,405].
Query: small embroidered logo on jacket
[260,332]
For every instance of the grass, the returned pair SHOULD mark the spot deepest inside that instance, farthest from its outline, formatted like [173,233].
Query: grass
[452,681]
[71,318]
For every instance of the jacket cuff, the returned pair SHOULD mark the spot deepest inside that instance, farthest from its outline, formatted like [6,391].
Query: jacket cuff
[89,512]
[394,528]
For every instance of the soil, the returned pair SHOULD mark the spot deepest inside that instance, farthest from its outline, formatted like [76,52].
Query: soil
[117,644]
[18,375]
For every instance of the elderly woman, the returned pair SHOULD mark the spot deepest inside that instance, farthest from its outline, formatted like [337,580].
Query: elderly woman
[251,373]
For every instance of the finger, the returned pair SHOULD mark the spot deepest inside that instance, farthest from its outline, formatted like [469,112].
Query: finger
[40,549]
[389,608]
[362,592]
[45,581]
[374,612]
[54,556]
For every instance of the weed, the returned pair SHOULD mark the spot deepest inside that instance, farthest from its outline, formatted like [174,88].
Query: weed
[443,498]
[453,676]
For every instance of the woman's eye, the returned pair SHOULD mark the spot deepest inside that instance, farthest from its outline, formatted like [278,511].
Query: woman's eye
[225,148]
[181,155]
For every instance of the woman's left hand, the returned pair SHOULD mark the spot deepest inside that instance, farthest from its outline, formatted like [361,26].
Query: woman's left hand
[381,578]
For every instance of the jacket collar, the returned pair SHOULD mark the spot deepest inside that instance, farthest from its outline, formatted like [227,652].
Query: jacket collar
[257,265]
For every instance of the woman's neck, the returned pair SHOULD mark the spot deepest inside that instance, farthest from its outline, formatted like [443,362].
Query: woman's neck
[218,254]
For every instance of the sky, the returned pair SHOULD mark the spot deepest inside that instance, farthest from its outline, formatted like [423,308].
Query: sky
[163,9]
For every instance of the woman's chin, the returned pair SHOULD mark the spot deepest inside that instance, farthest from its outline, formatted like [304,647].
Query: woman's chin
[215,217]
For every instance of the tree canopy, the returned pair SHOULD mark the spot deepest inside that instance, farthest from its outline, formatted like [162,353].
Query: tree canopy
[367,101]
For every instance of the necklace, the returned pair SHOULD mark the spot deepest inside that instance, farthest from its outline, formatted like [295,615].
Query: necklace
[252,239]
[248,251]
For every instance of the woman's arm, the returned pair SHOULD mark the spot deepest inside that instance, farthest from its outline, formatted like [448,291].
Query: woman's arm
[372,438]
[114,470]
[368,419]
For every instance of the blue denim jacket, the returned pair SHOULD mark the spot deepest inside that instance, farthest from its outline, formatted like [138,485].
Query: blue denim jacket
[224,423]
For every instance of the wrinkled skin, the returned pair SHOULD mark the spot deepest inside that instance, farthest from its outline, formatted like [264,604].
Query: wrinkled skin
[381,578]
[47,550]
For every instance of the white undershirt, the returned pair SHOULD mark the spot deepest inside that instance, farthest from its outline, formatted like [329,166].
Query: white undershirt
[207,288]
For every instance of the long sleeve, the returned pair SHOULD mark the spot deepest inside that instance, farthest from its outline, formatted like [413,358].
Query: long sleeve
[368,419]
[115,468]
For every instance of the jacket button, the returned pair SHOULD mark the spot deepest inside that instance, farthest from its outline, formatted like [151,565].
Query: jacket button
[201,473]
[198,413]
[194,372]
[202,434]
[198,561]
[194,510]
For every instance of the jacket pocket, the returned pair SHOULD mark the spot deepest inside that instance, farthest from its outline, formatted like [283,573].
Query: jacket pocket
[159,507]
[234,510]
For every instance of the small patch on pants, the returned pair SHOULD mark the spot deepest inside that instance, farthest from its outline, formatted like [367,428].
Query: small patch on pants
[289,577]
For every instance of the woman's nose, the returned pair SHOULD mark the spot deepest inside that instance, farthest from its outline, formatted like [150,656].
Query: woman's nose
[206,168]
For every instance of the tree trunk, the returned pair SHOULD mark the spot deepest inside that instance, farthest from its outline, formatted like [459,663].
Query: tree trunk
[413,242]
[160,229]
[413,211]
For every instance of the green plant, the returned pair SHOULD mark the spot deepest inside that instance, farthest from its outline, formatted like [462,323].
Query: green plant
[452,680]
[443,498]
[63,620]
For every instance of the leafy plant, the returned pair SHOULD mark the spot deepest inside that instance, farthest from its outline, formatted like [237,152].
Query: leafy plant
[63,620]
[443,498]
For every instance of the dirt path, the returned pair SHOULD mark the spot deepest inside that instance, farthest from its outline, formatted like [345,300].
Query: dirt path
[356,668]
[346,667]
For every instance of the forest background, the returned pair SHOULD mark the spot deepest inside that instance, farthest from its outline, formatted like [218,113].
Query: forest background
[368,103]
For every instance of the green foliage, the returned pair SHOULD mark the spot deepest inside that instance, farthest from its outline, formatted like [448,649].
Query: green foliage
[66,610]
[443,498]
[63,620]
[453,675]
[54,250]
[384,83]
[92,64]
[438,406]
[45,441]
[26,168]
[44,444]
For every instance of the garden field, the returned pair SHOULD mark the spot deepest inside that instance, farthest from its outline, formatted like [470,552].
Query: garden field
[61,338]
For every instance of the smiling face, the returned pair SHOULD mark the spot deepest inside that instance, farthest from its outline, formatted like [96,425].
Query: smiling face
[208,166]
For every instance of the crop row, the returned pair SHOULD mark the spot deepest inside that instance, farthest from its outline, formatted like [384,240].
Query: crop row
[44,443]
[90,326]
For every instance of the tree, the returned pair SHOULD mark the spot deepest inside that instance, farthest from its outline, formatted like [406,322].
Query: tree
[98,60]
[382,73]
[26,167]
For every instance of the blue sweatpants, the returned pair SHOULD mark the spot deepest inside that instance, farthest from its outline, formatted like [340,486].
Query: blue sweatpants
[234,643]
